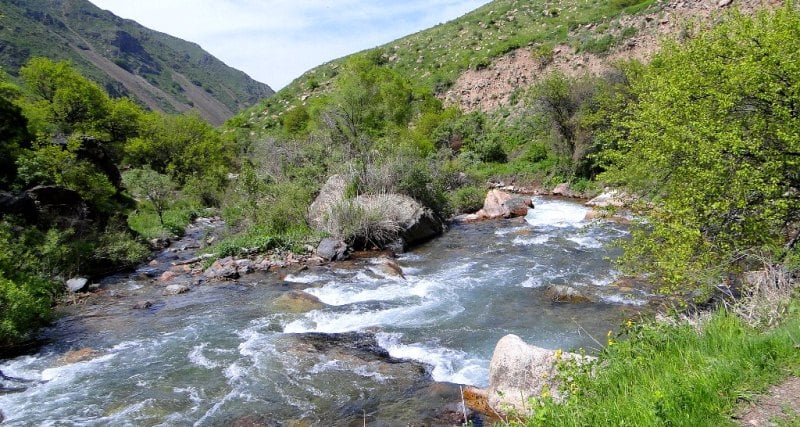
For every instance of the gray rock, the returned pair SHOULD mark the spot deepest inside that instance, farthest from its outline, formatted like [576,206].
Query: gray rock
[723,3]
[224,268]
[77,284]
[500,204]
[567,294]
[519,371]
[141,305]
[297,302]
[609,199]
[175,290]
[244,266]
[331,249]
[331,194]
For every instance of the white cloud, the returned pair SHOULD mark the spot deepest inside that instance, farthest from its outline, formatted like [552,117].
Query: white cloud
[275,41]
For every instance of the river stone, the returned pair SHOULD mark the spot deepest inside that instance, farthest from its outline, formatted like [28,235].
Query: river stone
[331,249]
[141,305]
[77,284]
[175,290]
[332,193]
[225,268]
[168,276]
[519,370]
[390,268]
[500,204]
[610,199]
[568,294]
[75,356]
[297,302]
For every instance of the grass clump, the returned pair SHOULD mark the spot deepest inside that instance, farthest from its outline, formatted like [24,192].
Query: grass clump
[675,373]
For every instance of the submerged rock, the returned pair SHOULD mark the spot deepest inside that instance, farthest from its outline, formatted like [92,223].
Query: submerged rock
[175,290]
[75,356]
[141,305]
[567,294]
[297,302]
[390,268]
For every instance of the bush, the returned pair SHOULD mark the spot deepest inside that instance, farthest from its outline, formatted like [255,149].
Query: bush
[364,224]
[24,307]
[467,199]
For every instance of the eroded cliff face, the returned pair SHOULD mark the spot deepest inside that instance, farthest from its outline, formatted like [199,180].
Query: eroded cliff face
[492,87]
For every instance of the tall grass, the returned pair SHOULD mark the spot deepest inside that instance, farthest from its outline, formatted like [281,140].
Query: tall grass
[660,374]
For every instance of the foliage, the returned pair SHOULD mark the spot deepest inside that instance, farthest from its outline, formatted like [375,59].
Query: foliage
[182,146]
[262,239]
[712,143]
[467,199]
[152,186]
[14,137]
[673,374]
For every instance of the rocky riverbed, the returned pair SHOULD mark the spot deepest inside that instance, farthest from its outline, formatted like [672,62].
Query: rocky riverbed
[277,340]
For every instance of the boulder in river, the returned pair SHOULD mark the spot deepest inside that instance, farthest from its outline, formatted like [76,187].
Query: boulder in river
[176,289]
[221,269]
[297,302]
[500,204]
[331,194]
[331,249]
[610,199]
[568,294]
[75,356]
[77,284]
[517,372]
[401,218]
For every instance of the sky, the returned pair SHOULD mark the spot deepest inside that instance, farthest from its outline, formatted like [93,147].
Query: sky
[275,41]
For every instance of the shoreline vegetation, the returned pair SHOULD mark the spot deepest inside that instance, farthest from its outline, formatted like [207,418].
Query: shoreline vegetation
[706,135]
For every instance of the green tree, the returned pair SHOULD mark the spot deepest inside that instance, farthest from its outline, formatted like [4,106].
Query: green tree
[71,101]
[183,146]
[14,137]
[714,143]
[156,188]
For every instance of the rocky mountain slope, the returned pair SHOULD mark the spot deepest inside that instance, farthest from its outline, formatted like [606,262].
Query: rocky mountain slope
[163,72]
[479,60]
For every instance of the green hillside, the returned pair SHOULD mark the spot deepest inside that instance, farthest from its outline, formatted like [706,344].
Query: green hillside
[432,59]
[163,72]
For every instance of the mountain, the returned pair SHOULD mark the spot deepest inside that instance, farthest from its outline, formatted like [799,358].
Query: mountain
[480,60]
[160,71]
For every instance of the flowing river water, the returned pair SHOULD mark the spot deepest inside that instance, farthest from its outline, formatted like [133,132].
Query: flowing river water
[226,351]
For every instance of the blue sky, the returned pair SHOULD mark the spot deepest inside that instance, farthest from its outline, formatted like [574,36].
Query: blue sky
[275,41]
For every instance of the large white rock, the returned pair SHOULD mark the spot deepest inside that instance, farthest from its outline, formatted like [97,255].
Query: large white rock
[519,371]
[500,204]
[77,284]
[610,198]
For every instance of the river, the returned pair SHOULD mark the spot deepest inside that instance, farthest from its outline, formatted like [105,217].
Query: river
[226,351]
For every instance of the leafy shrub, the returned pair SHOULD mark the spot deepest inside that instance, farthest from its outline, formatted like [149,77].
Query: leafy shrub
[467,199]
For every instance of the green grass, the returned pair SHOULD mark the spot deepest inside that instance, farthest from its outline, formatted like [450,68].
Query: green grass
[657,374]
[145,221]
[260,239]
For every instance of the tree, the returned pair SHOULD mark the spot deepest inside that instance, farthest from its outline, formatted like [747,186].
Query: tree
[152,186]
[714,143]
[71,101]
